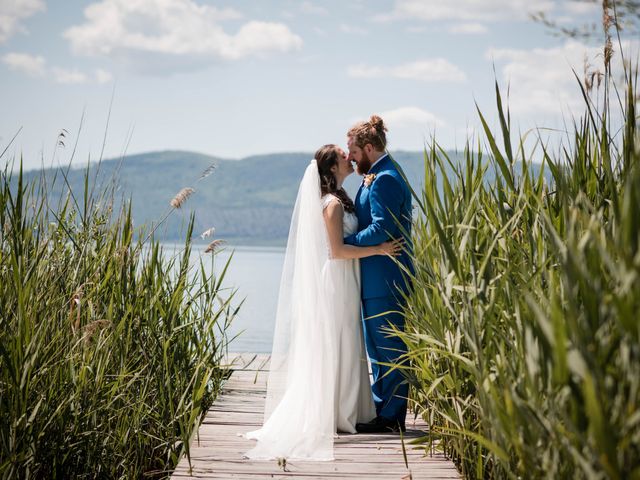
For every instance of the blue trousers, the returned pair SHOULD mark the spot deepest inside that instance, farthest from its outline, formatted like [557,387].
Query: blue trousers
[390,390]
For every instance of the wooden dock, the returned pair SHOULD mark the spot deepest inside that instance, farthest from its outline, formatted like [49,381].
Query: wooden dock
[217,449]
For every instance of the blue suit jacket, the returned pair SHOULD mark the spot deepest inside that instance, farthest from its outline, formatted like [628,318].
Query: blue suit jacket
[384,211]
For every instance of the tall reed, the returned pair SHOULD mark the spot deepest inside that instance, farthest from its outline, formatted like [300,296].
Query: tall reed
[110,350]
[523,328]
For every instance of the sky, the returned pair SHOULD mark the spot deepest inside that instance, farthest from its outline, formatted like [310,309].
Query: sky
[237,78]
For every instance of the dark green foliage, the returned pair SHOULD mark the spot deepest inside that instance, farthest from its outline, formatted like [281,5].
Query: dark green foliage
[524,326]
[110,352]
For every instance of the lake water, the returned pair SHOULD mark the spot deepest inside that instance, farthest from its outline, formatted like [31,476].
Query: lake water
[255,273]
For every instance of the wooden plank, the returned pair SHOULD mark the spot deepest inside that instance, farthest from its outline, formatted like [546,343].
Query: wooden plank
[247,361]
[218,447]
[279,473]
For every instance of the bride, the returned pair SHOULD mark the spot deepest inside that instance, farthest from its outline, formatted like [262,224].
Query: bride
[318,378]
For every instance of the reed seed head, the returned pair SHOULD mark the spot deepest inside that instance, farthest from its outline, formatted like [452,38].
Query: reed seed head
[213,246]
[207,171]
[74,308]
[181,197]
[208,233]
[91,328]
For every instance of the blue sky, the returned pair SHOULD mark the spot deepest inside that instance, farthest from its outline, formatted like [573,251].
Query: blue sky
[234,78]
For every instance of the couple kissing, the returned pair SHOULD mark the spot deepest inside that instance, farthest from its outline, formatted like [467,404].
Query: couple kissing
[341,292]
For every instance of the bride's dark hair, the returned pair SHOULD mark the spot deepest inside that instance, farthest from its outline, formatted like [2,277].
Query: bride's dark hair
[326,157]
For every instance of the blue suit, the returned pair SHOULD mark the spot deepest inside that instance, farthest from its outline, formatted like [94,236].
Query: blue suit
[384,212]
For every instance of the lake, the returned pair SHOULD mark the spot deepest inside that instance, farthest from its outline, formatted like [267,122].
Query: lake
[255,273]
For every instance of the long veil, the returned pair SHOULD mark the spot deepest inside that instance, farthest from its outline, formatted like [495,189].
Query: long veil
[299,420]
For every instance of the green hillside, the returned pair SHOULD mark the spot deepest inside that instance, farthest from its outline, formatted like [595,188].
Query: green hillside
[247,201]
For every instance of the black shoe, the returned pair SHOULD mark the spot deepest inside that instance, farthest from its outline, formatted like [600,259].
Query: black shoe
[381,425]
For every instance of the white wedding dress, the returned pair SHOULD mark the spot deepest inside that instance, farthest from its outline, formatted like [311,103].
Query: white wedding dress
[318,377]
[354,400]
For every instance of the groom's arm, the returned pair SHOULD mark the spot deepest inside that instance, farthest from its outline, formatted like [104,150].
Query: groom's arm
[385,199]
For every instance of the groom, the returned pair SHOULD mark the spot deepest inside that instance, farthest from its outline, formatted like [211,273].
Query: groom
[383,207]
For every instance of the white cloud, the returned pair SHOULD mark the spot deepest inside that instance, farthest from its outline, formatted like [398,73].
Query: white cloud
[173,34]
[468,28]
[541,80]
[465,10]
[13,12]
[409,126]
[36,66]
[416,29]
[352,29]
[312,9]
[409,116]
[102,76]
[71,77]
[581,7]
[32,65]
[429,70]
[259,38]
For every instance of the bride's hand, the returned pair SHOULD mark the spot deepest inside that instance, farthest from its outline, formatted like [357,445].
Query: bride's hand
[392,247]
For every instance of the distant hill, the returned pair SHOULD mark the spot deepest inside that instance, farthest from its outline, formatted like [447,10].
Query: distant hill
[248,201]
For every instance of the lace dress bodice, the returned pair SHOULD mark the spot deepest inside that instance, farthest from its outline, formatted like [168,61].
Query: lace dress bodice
[349,221]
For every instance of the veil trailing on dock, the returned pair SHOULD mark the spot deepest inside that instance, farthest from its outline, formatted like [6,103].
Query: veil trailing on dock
[299,420]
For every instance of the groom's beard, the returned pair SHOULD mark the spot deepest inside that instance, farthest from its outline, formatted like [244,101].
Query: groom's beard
[364,165]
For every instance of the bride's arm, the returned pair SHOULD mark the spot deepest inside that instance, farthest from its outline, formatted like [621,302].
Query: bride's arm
[333,215]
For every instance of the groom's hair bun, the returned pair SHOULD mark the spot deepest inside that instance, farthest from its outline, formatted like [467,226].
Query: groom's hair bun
[377,123]
[373,132]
